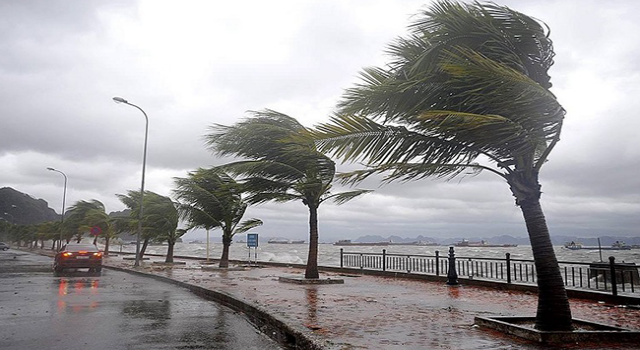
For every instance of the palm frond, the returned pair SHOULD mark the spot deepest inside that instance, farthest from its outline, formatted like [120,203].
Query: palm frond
[247,225]
[413,171]
[343,197]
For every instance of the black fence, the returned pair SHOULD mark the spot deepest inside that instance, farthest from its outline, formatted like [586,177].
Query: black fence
[603,276]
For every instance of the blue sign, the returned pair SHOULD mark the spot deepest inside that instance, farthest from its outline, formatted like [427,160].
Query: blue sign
[252,240]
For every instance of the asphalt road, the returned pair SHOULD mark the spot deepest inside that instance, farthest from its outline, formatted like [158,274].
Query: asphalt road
[115,310]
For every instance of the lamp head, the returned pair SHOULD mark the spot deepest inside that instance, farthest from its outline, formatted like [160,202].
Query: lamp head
[119,100]
[50,168]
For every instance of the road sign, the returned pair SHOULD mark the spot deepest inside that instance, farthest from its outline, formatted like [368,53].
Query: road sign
[96,230]
[252,240]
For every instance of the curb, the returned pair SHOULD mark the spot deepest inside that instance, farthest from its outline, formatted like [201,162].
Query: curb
[275,328]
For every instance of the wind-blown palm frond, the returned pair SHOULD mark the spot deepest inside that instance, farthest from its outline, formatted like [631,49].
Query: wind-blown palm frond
[343,197]
[248,225]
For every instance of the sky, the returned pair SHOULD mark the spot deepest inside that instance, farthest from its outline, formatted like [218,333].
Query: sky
[191,64]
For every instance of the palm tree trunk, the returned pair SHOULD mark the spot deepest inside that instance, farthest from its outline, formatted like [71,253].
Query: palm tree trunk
[169,258]
[312,259]
[106,245]
[226,243]
[554,312]
[145,243]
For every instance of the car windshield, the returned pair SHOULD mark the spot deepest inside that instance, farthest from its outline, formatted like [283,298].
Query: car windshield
[79,247]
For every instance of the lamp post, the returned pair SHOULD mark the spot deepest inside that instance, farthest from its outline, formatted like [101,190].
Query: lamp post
[64,198]
[144,163]
[12,217]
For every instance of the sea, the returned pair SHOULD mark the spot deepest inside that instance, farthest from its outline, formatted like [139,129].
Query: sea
[329,254]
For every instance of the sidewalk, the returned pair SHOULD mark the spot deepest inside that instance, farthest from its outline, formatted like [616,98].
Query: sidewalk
[368,312]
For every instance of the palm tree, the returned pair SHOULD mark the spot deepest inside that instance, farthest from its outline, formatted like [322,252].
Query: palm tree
[467,91]
[161,214]
[160,217]
[85,215]
[210,198]
[282,164]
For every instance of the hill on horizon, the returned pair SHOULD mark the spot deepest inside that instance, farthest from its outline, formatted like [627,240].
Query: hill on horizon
[22,209]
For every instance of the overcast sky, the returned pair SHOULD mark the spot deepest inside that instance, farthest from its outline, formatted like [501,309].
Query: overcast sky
[190,64]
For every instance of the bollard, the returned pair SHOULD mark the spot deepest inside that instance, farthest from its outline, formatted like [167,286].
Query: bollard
[508,255]
[384,260]
[452,275]
[341,258]
[437,263]
[614,283]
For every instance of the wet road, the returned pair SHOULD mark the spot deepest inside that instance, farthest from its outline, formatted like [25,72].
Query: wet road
[115,310]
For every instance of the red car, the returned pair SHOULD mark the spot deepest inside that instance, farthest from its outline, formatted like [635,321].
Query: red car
[77,256]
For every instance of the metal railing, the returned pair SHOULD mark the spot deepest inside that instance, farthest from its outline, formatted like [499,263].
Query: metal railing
[603,276]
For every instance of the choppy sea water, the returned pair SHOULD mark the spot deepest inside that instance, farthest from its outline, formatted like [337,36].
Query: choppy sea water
[329,254]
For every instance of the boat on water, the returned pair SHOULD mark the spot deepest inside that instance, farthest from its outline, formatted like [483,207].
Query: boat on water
[196,241]
[573,245]
[285,241]
[618,245]
[483,244]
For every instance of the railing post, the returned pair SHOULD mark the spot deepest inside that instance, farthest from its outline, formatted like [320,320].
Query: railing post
[614,284]
[437,263]
[384,260]
[452,275]
[508,259]
[341,257]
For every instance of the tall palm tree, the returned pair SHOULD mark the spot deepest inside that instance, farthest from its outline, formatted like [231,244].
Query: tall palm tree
[281,164]
[467,91]
[209,199]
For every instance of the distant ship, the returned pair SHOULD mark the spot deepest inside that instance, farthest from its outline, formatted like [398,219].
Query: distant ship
[615,246]
[285,241]
[196,242]
[483,244]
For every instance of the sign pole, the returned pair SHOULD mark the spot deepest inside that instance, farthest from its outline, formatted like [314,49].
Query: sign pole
[252,242]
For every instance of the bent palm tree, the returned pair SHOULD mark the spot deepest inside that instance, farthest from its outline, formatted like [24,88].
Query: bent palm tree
[282,165]
[467,91]
[160,217]
[209,199]
[84,215]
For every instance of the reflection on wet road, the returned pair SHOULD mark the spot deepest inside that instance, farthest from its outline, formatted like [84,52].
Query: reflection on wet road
[115,310]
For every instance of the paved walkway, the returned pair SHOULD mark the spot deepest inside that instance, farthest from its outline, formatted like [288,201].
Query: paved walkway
[368,312]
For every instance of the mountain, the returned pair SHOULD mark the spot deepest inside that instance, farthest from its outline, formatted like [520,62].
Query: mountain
[22,209]
[605,241]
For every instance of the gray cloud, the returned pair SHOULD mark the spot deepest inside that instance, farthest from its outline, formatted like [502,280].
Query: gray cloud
[190,65]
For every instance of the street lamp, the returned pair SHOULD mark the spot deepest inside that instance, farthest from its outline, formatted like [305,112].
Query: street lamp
[144,163]
[12,217]
[64,198]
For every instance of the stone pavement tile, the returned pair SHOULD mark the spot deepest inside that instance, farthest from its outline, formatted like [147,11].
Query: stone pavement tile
[369,312]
